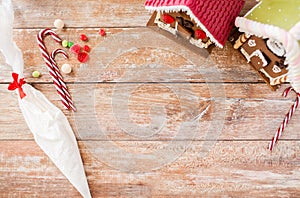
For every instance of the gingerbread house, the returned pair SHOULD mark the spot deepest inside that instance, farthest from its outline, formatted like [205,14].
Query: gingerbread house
[268,38]
[201,22]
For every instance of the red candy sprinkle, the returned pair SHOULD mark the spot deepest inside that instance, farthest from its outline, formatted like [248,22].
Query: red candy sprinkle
[83,37]
[82,57]
[102,32]
[200,34]
[75,48]
[86,48]
[167,18]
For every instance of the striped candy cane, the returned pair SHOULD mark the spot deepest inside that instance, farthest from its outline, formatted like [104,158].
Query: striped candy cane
[40,39]
[287,118]
[59,76]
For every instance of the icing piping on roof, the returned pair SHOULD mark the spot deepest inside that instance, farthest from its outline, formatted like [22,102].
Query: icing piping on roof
[295,31]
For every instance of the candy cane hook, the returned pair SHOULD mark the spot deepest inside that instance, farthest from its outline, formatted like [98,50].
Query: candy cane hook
[64,96]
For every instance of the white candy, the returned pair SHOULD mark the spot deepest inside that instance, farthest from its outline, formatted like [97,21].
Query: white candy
[66,68]
[59,24]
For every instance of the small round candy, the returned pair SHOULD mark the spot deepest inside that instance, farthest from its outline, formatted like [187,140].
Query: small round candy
[59,24]
[83,37]
[70,44]
[66,68]
[65,43]
[86,48]
[102,32]
[36,74]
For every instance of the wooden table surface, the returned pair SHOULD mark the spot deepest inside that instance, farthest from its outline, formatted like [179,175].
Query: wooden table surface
[236,162]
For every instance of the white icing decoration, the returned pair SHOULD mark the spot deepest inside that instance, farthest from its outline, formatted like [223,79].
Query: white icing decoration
[251,43]
[257,53]
[199,43]
[163,25]
[273,81]
[276,69]
[276,47]
[245,54]
[176,26]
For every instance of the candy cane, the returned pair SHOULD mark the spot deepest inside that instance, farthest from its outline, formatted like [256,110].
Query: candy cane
[59,76]
[40,39]
[287,118]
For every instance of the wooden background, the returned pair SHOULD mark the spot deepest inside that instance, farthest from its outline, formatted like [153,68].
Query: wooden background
[238,164]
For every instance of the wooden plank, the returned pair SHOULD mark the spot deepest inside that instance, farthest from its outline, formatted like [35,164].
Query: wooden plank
[105,13]
[138,59]
[251,111]
[234,169]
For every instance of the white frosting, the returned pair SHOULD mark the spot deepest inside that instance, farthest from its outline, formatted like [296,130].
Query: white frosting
[276,47]
[199,43]
[257,53]
[273,81]
[164,25]
[276,69]
[251,43]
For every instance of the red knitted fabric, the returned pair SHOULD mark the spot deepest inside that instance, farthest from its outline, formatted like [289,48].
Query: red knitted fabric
[217,16]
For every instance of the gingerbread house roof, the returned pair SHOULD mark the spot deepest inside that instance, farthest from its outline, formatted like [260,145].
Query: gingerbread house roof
[215,17]
[277,20]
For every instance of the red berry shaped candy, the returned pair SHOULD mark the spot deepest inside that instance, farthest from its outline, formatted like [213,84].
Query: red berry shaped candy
[86,48]
[75,49]
[83,37]
[200,34]
[83,57]
[168,18]
[102,32]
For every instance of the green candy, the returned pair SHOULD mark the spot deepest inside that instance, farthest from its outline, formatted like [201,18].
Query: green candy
[65,43]
[281,13]
[36,74]
[70,44]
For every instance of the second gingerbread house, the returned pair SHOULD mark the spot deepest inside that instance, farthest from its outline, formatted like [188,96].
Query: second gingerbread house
[269,37]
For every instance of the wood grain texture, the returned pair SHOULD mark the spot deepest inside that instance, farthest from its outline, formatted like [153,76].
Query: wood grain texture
[231,161]
[230,169]
[251,111]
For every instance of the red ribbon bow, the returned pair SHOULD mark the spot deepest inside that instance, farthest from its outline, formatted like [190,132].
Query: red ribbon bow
[17,85]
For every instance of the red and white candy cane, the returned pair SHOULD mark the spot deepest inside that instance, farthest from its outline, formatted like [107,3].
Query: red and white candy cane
[287,118]
[40,39]
[59,76]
